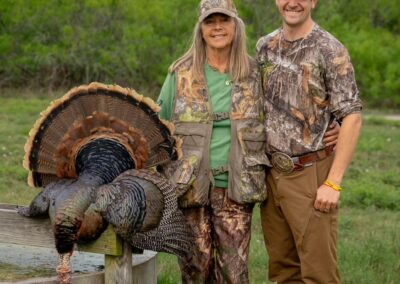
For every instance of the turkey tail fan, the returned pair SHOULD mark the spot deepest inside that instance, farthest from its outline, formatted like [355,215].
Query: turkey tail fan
[96,111]
[143,208]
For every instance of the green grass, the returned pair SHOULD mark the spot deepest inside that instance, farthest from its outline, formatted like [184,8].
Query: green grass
[373,178]
[369,246]
[369,230]
[16,119]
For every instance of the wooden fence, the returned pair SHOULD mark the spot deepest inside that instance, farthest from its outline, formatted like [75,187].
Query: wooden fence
[120,267]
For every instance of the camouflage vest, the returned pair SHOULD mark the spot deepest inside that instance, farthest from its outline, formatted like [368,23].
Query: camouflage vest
[193,119]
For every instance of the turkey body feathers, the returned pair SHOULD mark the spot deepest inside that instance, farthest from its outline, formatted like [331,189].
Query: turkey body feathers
[172,234]
[41,203]
[100,161]
[123,205]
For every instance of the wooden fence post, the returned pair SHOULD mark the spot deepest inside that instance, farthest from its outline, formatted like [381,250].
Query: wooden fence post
[119,268]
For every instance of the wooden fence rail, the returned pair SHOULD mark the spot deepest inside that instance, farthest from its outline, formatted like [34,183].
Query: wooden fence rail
[119,266]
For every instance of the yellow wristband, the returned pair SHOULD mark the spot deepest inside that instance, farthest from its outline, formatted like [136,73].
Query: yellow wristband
[333,186]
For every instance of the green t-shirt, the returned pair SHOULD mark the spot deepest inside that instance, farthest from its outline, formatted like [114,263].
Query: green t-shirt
[220,88]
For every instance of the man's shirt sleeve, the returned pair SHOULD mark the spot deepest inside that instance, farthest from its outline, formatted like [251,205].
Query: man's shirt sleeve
[341,84]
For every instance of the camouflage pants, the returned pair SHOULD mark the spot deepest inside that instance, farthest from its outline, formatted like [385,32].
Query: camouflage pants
[222,238]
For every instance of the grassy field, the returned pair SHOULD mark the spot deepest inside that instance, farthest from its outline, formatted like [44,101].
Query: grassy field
[369,249]
[369,233]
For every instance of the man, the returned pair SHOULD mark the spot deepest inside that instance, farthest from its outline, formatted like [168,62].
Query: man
[308,81]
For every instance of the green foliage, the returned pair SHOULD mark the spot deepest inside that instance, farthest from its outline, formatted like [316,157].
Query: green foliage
[62,43]
[370,30]
[53,43]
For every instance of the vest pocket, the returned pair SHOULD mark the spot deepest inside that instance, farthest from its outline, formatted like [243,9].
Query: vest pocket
[183,172]
[188,173]
[248,180]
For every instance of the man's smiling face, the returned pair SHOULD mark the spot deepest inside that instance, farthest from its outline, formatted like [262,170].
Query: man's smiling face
[295,12]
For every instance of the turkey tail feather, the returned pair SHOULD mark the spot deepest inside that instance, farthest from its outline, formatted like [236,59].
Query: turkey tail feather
[89,112]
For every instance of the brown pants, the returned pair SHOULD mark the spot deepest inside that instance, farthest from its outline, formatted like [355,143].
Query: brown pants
[222,238]
[300,240]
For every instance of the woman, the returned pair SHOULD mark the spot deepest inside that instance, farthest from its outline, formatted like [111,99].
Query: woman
[213,96]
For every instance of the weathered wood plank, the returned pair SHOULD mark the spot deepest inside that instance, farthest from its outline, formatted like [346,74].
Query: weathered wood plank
[119,268]
[19,230]
[108,243]
[15,229]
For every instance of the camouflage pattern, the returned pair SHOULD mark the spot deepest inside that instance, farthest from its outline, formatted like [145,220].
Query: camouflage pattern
[222,238]
[208,7]
[306,83]
[193,119]
[192,102]
[247,100]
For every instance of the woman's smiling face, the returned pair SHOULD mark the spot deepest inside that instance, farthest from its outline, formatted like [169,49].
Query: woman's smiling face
[218,31]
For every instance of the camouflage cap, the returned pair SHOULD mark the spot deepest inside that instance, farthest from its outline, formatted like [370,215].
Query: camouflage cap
[208,7]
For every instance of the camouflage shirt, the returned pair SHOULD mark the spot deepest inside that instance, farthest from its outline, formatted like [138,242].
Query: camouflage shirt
[307,83]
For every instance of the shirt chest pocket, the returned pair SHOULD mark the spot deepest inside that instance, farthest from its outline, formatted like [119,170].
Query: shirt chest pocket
[313,84]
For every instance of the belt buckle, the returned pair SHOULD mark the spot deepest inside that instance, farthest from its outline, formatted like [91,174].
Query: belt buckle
[282,162]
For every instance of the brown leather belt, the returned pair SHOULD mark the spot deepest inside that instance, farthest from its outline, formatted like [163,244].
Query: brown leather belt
[286,164]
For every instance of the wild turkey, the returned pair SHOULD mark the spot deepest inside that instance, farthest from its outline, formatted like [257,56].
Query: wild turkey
[78,150]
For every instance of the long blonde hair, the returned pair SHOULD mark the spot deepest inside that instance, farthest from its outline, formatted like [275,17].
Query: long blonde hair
[239,64]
